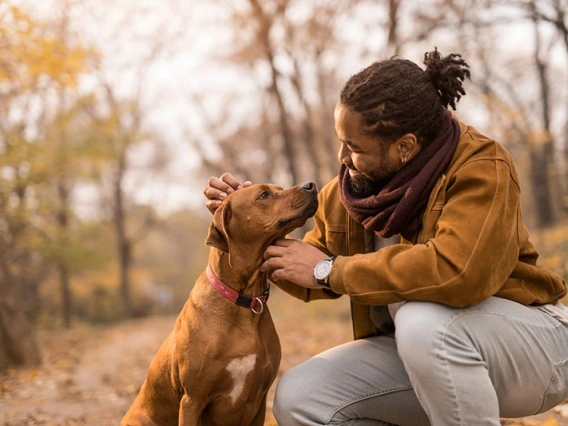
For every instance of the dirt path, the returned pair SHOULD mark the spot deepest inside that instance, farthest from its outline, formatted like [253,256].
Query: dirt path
[88,377]
[91,375]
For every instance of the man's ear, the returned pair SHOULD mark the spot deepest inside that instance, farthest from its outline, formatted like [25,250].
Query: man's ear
[218,236]
[408,145]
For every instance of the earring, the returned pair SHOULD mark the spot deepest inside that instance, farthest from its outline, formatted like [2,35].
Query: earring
[403,160]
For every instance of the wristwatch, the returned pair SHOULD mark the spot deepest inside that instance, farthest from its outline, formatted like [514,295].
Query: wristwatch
[322,271]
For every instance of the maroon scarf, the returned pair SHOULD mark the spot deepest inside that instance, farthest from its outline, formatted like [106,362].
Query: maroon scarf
[400,202]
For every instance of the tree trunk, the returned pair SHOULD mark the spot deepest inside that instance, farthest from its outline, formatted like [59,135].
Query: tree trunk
[542,153]
[308,124]
[263,33]
[123,245]
[125,263]
[64,275]
[540,185]
[560,24]
[330,143]
[393,40]
[66,299]
[18,345]
[289,148]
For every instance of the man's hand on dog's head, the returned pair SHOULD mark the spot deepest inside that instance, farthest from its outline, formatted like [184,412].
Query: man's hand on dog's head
[219,187]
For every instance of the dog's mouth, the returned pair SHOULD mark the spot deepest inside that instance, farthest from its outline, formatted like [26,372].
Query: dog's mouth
[305,214]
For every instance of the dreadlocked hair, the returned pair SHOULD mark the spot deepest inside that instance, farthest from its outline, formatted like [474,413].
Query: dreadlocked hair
[396,97]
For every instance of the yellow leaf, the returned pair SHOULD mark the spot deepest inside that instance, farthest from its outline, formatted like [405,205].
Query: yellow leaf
[550,422]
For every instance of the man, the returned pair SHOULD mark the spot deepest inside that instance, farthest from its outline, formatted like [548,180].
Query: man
[454,325]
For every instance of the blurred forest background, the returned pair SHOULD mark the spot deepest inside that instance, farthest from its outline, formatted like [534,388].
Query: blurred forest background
[113,114]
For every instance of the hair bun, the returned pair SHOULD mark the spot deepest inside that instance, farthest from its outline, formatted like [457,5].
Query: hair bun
[447,74]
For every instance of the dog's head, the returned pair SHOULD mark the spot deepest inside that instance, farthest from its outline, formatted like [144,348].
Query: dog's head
[259,215]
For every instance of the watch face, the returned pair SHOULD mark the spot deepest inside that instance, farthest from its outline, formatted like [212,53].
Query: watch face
[322,269]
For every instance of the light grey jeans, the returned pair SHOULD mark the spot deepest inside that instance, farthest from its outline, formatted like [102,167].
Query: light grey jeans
[445,366]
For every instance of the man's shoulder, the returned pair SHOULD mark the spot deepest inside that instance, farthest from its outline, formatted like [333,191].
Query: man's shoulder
[474,145]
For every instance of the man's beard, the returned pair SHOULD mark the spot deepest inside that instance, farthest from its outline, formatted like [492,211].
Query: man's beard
[365,187]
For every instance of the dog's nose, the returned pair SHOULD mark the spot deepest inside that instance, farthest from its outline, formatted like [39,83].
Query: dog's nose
[308,187]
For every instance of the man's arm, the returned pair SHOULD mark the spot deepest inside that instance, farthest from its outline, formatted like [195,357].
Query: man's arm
[472,254]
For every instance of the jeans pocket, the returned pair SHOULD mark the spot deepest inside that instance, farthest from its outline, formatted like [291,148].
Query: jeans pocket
[557,390]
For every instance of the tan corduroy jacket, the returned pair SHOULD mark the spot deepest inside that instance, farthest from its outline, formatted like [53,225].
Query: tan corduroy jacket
[473,243]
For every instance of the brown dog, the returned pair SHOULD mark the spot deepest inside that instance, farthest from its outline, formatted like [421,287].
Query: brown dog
[216,366]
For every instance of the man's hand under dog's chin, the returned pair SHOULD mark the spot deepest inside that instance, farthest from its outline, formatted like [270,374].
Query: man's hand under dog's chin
[294,261]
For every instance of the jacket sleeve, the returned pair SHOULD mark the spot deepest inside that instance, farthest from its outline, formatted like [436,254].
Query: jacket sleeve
[473,252]
[315,237]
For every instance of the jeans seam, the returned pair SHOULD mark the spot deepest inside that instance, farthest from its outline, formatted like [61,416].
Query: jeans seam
[508,317]
[554,374]
[360,398]
[446,364]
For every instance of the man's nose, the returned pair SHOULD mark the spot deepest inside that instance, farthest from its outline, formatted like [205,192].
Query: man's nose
[343,155]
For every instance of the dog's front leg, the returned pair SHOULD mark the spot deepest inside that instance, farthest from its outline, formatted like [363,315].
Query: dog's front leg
[260,415]
[190,413]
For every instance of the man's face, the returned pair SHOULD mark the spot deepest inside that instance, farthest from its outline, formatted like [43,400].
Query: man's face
[369,161]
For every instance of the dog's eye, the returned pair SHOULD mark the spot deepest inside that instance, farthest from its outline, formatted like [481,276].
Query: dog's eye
[264,196]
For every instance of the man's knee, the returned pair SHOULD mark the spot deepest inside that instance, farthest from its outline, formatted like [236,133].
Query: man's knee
[420,327]
[292,392]
[284,398]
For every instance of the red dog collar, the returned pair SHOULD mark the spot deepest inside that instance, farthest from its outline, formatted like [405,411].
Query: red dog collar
[254,303]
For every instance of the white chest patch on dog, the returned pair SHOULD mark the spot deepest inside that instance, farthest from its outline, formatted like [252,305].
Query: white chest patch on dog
[239,369]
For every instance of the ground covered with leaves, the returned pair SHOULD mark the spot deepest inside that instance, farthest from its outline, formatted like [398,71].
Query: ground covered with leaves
[90,375]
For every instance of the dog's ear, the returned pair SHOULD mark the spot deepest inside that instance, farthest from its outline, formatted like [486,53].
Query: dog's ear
[218,236]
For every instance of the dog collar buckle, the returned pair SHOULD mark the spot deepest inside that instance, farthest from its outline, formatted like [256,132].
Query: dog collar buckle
[259,303]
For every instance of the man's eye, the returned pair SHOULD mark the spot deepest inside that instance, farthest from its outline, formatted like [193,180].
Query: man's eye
[350,148]
[264,196]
